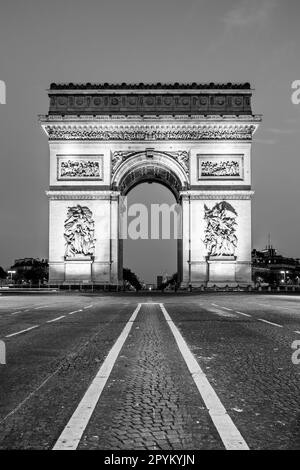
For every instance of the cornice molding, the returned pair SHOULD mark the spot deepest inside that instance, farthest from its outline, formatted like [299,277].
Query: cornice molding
[216,195]
[82,195]
[55,87]
[188,118]
[151,131]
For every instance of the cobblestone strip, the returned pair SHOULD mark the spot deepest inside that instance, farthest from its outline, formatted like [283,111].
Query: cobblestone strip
[227,430]
[150,401]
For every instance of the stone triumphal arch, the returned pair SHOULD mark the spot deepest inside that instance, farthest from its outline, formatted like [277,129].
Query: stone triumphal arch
[105,139]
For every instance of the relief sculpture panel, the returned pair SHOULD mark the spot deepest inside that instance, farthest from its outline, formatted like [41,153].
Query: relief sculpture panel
[220,233]
[79,168]
[220,167]
[79,231]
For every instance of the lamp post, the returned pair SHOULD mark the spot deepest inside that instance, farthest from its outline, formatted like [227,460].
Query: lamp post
[284,276]
[11,274]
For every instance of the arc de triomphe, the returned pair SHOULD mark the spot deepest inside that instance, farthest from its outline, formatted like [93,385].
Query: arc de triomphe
[195,139]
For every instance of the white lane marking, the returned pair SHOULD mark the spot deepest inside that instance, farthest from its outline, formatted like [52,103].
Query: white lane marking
[88,306]
[230,435]
[298,332]
[270,323]
[20,332]
[75,311]
[43,306]
[215,305]
[242,313]
[31,394]
[21,311]
[221,313]
[226,308]
[56,319]
[71,435]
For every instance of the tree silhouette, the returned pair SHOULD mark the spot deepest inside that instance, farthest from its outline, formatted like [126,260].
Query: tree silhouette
[131,278]
[3,274]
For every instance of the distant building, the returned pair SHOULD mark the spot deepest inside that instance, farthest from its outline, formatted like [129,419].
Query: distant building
[159,282]
[270,267]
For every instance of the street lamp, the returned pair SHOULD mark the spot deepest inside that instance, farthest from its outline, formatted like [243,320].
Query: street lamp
[284,276]
[11,274]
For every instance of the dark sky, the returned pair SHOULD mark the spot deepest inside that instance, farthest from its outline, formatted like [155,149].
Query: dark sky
[151,41]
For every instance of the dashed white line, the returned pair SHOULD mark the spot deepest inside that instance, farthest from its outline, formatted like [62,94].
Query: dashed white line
[228,432]
[75,311]
[15,313]
[226,308]
[56,319]
[242,313]
[215,305]
[71,435]
[20,332]
[88,306]
[43,306]
[270,323]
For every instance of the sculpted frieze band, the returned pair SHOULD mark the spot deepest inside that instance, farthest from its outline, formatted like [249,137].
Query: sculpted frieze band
[160,133]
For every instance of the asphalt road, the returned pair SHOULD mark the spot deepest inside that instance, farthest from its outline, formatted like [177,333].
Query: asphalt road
[149,394]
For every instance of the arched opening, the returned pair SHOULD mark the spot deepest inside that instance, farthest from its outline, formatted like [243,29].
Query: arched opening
[152,245]
[153,256]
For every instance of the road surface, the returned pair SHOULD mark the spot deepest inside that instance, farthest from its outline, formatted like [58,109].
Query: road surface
[155,372]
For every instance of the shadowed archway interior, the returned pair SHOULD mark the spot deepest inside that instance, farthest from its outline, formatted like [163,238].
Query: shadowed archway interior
[150,258]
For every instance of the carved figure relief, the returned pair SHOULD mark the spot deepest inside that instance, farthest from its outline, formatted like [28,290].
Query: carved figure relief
[76,168]
[79,232]
[118,157]
[218,166]
[221,168]
[220,234]
[182,157]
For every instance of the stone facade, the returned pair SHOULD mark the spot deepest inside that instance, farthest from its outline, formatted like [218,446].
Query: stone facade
[195,139]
